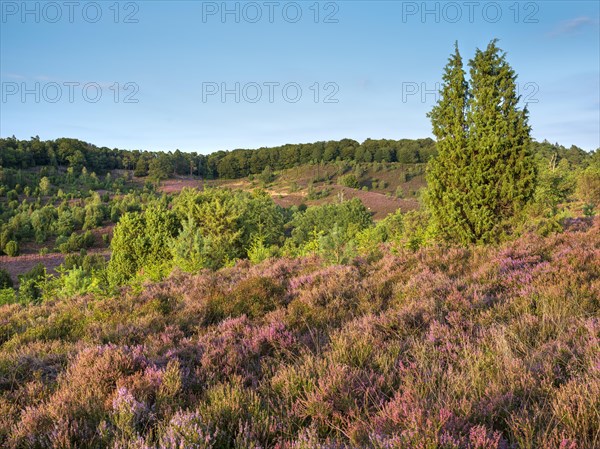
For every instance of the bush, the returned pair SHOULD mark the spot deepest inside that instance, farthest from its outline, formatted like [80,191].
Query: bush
[30,284]
[94,214]
[75,242]
[267,176]
[588,185]
[141,241]
[77,281]
[349,180]
[87,262]
[588,210]
[220,226]
[7,296]
[5,279]
[12,248]
[258,251]
[314,194]
[350,216]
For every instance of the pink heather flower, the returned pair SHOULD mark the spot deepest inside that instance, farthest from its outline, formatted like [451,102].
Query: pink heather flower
[124,401]
[480,438]
[568,444]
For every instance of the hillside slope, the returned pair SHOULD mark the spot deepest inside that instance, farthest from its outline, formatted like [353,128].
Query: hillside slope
[441,348]
[382,187]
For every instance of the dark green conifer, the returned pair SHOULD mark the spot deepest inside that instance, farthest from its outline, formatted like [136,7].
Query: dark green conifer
[484,173]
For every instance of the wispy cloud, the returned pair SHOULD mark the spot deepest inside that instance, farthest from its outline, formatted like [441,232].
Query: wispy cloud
[573,26]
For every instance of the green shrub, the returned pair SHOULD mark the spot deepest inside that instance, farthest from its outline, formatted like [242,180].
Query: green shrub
[350,216]
[267,176]
[77,282]
[349,180]
[12,195]
[5,279]
[7,296]
[30,284]
[12,248]
[314,194]
[588,185]
[141,241]
[75,242]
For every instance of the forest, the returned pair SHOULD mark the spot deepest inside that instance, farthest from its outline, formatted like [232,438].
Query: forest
[387,294]
[75,154]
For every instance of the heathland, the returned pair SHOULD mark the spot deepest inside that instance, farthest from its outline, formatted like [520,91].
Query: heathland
[411,294]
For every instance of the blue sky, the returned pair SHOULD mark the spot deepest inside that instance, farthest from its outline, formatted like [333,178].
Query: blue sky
[376,63]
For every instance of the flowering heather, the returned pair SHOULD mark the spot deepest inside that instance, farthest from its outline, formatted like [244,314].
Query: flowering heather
[449,348]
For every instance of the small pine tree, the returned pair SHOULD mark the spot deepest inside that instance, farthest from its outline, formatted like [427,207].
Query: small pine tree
[45,185]
[12,248]
[258,251]
[140,242]
[141,168]
[267,176]
[189,248]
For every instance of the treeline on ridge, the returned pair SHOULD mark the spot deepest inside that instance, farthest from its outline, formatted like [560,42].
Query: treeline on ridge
[76,154]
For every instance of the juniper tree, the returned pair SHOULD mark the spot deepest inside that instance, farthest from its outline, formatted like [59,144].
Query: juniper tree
[484,173]
[141,242]
[447,173]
